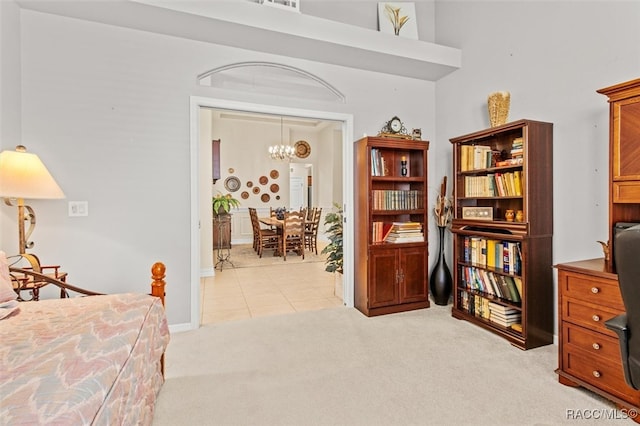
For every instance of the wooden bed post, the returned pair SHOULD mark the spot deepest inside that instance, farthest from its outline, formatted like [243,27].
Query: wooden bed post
[157,286]
[157,289]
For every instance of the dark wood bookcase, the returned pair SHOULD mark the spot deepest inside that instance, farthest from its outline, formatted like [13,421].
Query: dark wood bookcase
[503,277]
[390,187]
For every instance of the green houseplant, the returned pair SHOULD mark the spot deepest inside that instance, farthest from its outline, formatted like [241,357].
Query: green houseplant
[222,203]
[334,221]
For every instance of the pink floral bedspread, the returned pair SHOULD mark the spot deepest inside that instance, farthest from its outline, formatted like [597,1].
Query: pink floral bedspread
[88,360]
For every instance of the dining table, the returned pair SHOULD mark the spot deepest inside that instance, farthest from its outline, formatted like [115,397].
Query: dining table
[272,221]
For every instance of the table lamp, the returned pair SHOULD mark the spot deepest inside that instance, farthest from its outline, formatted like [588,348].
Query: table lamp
[24,176]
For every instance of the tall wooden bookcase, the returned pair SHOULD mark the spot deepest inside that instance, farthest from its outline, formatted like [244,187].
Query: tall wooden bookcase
[390,187]
[503,278]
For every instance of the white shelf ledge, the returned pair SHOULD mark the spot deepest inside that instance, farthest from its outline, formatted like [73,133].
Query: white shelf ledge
[252,26]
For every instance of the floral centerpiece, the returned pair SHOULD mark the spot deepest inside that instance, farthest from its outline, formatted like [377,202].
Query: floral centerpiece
[222,203]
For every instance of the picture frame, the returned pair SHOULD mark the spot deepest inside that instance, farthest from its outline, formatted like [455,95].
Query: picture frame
[398,18]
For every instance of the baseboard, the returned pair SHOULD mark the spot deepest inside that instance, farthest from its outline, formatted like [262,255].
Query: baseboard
[179,328]
[207,272]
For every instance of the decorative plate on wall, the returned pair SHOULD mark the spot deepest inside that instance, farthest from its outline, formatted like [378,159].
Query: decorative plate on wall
[302,149]
[274,188]
[244,195]
[249,184]
[265,198]
[263,180]
[274,174]
[232,183]
[256,190]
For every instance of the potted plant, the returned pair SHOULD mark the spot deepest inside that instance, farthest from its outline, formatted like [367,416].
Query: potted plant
[334,262]
[222,204]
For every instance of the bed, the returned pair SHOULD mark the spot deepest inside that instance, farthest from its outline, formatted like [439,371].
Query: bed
[81,360]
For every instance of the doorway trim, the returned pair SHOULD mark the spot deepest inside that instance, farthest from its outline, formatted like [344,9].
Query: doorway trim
[197,102]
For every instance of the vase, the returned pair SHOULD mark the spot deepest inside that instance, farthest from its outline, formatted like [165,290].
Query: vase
[498,105]
[440,281]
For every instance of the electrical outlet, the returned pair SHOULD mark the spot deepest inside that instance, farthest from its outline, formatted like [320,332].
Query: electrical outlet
[78,208]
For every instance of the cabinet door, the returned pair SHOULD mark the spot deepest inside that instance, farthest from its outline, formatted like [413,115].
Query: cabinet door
[383,278]
[222,231]
[413,261]
[626,142]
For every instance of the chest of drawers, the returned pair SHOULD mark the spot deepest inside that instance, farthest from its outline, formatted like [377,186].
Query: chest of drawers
[589,354]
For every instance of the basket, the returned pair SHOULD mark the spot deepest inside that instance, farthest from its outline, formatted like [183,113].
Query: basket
[498,104]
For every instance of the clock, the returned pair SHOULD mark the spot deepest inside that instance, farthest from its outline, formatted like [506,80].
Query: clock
[394,128]
[394,125]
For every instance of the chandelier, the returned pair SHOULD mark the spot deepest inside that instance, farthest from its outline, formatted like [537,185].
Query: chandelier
[282,151]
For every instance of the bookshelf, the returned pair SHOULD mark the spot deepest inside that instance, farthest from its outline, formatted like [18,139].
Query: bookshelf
[391,228]
[502,231]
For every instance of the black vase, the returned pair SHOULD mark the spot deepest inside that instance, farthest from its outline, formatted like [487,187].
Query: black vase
[440,281]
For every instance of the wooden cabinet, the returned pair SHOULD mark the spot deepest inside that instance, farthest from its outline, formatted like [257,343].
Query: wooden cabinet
[589,353]
[222,231]
[502,231]
[624,154]
[588,290]
[390,188]
[405,268]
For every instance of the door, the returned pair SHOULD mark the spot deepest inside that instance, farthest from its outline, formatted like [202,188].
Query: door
[297,194]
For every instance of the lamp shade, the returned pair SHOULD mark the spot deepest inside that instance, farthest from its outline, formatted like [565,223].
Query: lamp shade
[23,175]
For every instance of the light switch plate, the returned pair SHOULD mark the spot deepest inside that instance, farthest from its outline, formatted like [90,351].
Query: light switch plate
[78,208]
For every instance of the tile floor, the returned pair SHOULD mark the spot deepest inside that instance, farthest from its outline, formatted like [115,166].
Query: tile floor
[241,293]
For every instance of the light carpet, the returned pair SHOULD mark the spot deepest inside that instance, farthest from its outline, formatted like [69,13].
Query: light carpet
[338,367]
[243,256]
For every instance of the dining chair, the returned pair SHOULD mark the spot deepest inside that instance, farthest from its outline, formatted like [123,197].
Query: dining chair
[311,230]
[262,238]
[292,238]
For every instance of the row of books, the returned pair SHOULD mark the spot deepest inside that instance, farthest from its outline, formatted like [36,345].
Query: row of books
[501,255]
[397,232]
[392,199]
[503,286]
[476,157]
[508,184]
[482,307]
[378,163]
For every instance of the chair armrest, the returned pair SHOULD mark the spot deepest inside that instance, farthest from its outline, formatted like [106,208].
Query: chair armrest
[619,325]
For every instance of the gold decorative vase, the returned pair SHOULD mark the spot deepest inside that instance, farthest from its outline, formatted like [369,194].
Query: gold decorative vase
[498,104]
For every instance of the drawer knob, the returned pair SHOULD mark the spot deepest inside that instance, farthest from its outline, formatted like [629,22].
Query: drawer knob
[596,318]
[596,346]
[596,373]
[595,290]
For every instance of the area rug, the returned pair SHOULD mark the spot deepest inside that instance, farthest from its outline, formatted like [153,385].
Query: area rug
[243,256]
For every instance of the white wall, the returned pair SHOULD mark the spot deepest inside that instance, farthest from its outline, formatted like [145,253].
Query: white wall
[107,109]
[551,56]
[10,89]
